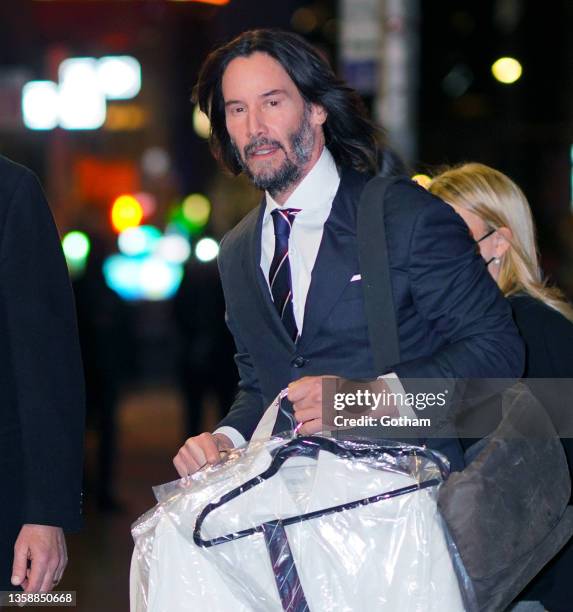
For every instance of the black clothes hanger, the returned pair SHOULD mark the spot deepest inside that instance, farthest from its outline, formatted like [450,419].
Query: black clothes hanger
[310,446]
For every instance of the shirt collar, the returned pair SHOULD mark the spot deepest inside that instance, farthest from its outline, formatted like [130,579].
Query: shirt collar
[313,195]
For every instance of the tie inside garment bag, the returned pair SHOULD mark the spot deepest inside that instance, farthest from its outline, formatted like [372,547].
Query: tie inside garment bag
[297,524]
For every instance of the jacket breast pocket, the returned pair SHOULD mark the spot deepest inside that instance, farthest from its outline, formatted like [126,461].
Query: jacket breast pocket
[352,291]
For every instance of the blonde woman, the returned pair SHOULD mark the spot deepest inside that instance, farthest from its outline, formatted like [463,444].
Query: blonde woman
[499,218]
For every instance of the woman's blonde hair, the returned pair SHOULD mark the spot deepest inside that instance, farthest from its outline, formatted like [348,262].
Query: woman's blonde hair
[499,202]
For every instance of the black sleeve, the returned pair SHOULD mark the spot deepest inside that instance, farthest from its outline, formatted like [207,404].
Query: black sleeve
[43,356]
[452,289]
[249,406]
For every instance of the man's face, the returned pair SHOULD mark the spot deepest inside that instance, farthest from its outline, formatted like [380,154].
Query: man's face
[276,136]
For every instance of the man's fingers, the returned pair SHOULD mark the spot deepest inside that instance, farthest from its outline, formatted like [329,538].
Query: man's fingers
[196,452]
[20,564]
[299,389]
[38,569]
[311,427]
[305,403]
[304,388]
[209,448]
[184,463]
[307,387]
[49,575]
[63,560]
[307,414]
[312,396]
[180,466]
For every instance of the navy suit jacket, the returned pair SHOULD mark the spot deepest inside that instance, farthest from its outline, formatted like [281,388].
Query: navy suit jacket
[452,320]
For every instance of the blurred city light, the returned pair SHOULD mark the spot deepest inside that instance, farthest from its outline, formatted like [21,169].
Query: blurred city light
[159,280]
[121,274]
[304,20]
[148,203]
[177,222]
[82,70]
[40,105]
[142,278]
[155,162]
[78,101]
[201,123]
[213,2]
[506,70]
[141,240]
[173,248]
[127,117]
[196,209]
[76,247]
[206,249]
[126,212]
[422,179]
[82,102]
[119,77]
[177,227]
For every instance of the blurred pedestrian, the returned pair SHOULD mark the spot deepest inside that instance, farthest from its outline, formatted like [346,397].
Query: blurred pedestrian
[106,341]
[205,353]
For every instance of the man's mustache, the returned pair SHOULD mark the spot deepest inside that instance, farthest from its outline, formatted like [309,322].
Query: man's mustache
[259,142]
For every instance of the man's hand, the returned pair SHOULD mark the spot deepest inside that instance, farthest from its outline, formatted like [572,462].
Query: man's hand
[45,547]
[199,451]
[305,395]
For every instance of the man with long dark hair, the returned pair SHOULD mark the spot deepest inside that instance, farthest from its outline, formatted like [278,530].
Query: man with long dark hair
[290,269]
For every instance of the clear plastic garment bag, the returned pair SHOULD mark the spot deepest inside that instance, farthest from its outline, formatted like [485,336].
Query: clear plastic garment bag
[301,523]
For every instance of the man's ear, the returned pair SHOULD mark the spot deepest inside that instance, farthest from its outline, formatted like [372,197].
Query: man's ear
[503,238]
[318,114]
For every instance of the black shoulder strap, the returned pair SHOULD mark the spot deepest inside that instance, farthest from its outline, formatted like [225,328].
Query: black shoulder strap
[375,270]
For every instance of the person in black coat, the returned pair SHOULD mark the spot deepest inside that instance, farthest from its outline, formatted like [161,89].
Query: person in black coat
[500,220]
[41,390]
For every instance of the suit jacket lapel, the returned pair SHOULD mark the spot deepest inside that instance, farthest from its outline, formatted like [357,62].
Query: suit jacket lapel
[256,279]
[336,261]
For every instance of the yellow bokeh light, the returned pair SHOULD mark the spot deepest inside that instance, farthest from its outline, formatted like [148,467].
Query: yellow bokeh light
[213,2]
[506,70]
[201,123]
[196,209]
[126,212]
[422,179]
[304,20]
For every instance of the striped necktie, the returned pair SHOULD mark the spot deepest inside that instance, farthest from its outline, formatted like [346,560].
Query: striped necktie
[279,273]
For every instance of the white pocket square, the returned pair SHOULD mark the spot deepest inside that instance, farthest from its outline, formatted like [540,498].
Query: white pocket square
[356,277]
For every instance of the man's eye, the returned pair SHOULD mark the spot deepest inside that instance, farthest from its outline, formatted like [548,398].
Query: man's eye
[274,102]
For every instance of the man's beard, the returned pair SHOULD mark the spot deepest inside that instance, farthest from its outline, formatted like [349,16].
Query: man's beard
[278,180]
